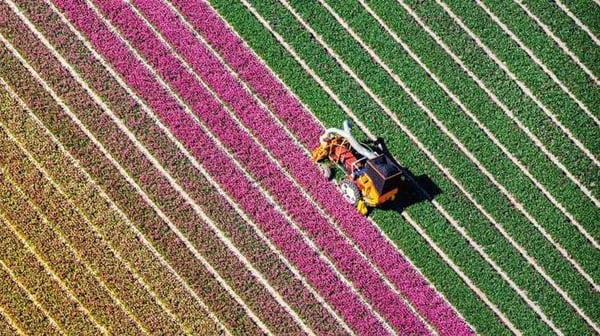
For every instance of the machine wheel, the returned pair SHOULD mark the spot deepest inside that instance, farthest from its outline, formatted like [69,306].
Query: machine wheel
[325,170]
[350,191]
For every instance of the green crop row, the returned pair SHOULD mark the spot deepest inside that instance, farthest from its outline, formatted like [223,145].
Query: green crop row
[407,239]
[376,79]
[587,11]
[567,193]
[523,107]
[567,31]
[546,50]
[491,157]
[526,70]
[334,76]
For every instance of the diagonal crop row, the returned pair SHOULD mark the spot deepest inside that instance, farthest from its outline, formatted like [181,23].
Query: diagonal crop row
[311,49]
[8,324]
[553,62]
[464,126]
[68,220]
[358,63]
[219,32]
[101,168]
[528,75]
[17,300]
[373,288]
[584,13]
[501,83]
[97,205]
[485,110]
[414,247]
[193,181]
[34,228]
[567,31]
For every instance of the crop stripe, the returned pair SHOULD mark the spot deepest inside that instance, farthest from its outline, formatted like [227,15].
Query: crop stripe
[51,272]
[521,85]
[562,45]
[31,297]
[578,22]
[287,174]
[316,121]
[504,108]
[340,103]
[11,320]
[213,183]
[133,183]
[537,61]
[114,207]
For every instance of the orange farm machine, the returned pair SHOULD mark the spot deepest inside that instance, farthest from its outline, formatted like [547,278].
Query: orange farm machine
[371,177]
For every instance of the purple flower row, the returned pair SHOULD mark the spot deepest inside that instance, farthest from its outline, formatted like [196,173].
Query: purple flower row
[277,142]
[183,126]
[307,130]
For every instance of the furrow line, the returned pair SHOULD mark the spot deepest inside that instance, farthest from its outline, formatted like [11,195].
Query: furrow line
[249,132]
[85,246]
[498,102]
[60,245]
[9,325]
[286,263]
[130,228]
[297,118]
[200,213]
[50,272]
[224,162]
[213,139]
[345,108]
[122,171]
[578,22]
[44,320]
[519,206]
[537,61]
[479,124]
[521,85]
[470,155]
[562,45]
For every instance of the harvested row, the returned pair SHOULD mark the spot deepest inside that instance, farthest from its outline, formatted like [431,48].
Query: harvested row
[199,188]
[33,227]
[485,110]
[18,301]
[293,116]
[373,288]
[218,166]
[429,90]
[263,39]
[566,30]
[69,222]
[101,168]
[517,101]
[81,190]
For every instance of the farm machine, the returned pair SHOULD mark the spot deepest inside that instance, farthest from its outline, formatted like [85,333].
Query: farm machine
[371,176]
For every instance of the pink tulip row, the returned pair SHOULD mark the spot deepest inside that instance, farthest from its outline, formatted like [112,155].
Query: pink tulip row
[255,118]
[177,252]
[307,130]
[390,305]
[183,127]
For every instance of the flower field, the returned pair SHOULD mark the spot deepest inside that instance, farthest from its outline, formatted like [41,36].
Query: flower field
[155,170]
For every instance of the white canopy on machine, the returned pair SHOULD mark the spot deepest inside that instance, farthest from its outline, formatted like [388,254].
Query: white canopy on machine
[346,134]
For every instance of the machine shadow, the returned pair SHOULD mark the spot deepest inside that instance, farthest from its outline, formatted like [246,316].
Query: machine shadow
[415,189]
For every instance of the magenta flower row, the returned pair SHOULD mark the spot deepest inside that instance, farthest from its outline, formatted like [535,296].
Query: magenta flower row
[186,129]
[307,130]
